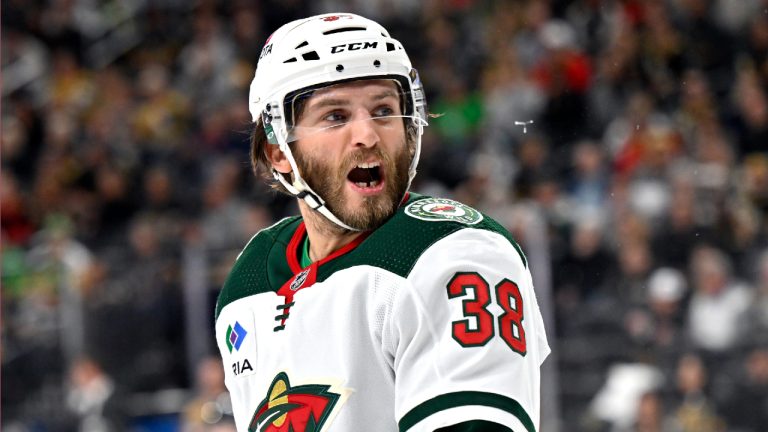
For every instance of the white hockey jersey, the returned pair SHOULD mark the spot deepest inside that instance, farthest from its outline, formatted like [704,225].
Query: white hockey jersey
[427,322]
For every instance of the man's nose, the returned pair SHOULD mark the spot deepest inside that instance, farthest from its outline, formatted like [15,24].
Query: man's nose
[363,130]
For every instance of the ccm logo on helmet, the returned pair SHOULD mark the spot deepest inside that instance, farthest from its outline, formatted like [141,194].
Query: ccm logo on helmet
[354,46]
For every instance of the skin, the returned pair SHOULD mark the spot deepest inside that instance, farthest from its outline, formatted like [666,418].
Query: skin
[326,155]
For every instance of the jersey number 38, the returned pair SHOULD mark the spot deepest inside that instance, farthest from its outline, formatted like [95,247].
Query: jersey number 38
[510,322]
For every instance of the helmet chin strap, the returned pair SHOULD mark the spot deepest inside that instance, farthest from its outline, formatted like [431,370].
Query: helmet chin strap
[416,154]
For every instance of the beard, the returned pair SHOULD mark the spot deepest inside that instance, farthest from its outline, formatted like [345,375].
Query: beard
[329,183]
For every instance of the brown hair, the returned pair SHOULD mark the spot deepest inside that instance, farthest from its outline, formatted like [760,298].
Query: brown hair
[260,165]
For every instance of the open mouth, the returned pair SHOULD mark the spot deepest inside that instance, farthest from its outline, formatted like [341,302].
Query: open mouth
[366,175]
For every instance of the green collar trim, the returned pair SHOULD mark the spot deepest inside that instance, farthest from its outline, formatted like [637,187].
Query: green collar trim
[305,259]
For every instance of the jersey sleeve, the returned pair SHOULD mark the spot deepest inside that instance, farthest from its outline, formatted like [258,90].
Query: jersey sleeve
[468,337]
[235,338]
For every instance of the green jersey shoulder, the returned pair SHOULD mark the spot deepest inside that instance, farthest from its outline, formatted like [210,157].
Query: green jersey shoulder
[395,246]
[261,266]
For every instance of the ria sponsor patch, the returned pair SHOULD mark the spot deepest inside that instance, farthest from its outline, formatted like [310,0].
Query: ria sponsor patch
[443,209]
[235,336]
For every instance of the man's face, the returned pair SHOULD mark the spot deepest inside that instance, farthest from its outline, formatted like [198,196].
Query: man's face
[356,162]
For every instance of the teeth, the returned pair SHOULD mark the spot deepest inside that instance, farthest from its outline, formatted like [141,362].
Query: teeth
[372,183]
[369,165]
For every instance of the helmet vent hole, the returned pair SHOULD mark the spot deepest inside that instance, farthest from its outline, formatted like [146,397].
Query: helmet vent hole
[339,68]
[312,55]
[290,60]
[303,44]
[390,46]
[376,63]
[343,29]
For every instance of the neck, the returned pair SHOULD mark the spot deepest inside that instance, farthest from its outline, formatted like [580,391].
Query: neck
[324,236]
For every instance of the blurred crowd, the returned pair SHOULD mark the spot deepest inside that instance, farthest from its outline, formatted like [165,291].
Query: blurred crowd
[635,130]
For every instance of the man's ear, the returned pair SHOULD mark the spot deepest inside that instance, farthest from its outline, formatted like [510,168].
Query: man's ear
[277,158]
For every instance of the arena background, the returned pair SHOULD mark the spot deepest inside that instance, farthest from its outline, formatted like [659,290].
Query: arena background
[624,143]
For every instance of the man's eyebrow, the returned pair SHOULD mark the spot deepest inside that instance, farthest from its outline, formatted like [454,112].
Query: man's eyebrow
[322,103]
[385,94]
[331,101]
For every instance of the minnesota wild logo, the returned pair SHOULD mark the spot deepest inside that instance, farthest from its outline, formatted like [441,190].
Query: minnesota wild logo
[442,209]
[302,408]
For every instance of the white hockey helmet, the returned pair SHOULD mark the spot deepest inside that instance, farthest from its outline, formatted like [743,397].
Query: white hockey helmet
[320,51]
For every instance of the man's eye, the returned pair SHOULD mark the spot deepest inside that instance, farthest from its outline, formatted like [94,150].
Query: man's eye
[334,117]
[383,111]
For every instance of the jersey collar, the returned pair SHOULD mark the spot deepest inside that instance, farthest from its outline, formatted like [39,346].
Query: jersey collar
[292,255]
[298,240]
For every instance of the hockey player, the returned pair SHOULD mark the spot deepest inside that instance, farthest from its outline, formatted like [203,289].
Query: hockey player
[375,309]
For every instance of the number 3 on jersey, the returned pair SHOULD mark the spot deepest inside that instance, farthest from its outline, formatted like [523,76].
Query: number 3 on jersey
[507,297]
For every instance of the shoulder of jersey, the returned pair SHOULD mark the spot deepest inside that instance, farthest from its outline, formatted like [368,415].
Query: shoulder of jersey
[260,265]
[395,246]
[415,227]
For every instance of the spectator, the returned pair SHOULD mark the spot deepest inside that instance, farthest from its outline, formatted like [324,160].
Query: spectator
[134,311]
[533,162]
[224,208]
[716,293]
[674,239]
[589,184]
[117,200]
[695,411]
[656,327]
[757,314]
[510,98]
[756,43]
[564,75]
[751,106]
[747,402]
[55,249]
[17,224]
[663,51]
[650,415]
[211,402]
[754,181]
[582,274]
[162,116]
[93,399]
[206,62]
[634,268]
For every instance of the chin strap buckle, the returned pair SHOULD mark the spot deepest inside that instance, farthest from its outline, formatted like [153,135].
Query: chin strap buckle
[311,199]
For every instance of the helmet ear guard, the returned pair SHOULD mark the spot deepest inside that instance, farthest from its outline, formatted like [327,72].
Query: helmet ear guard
[267,117]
